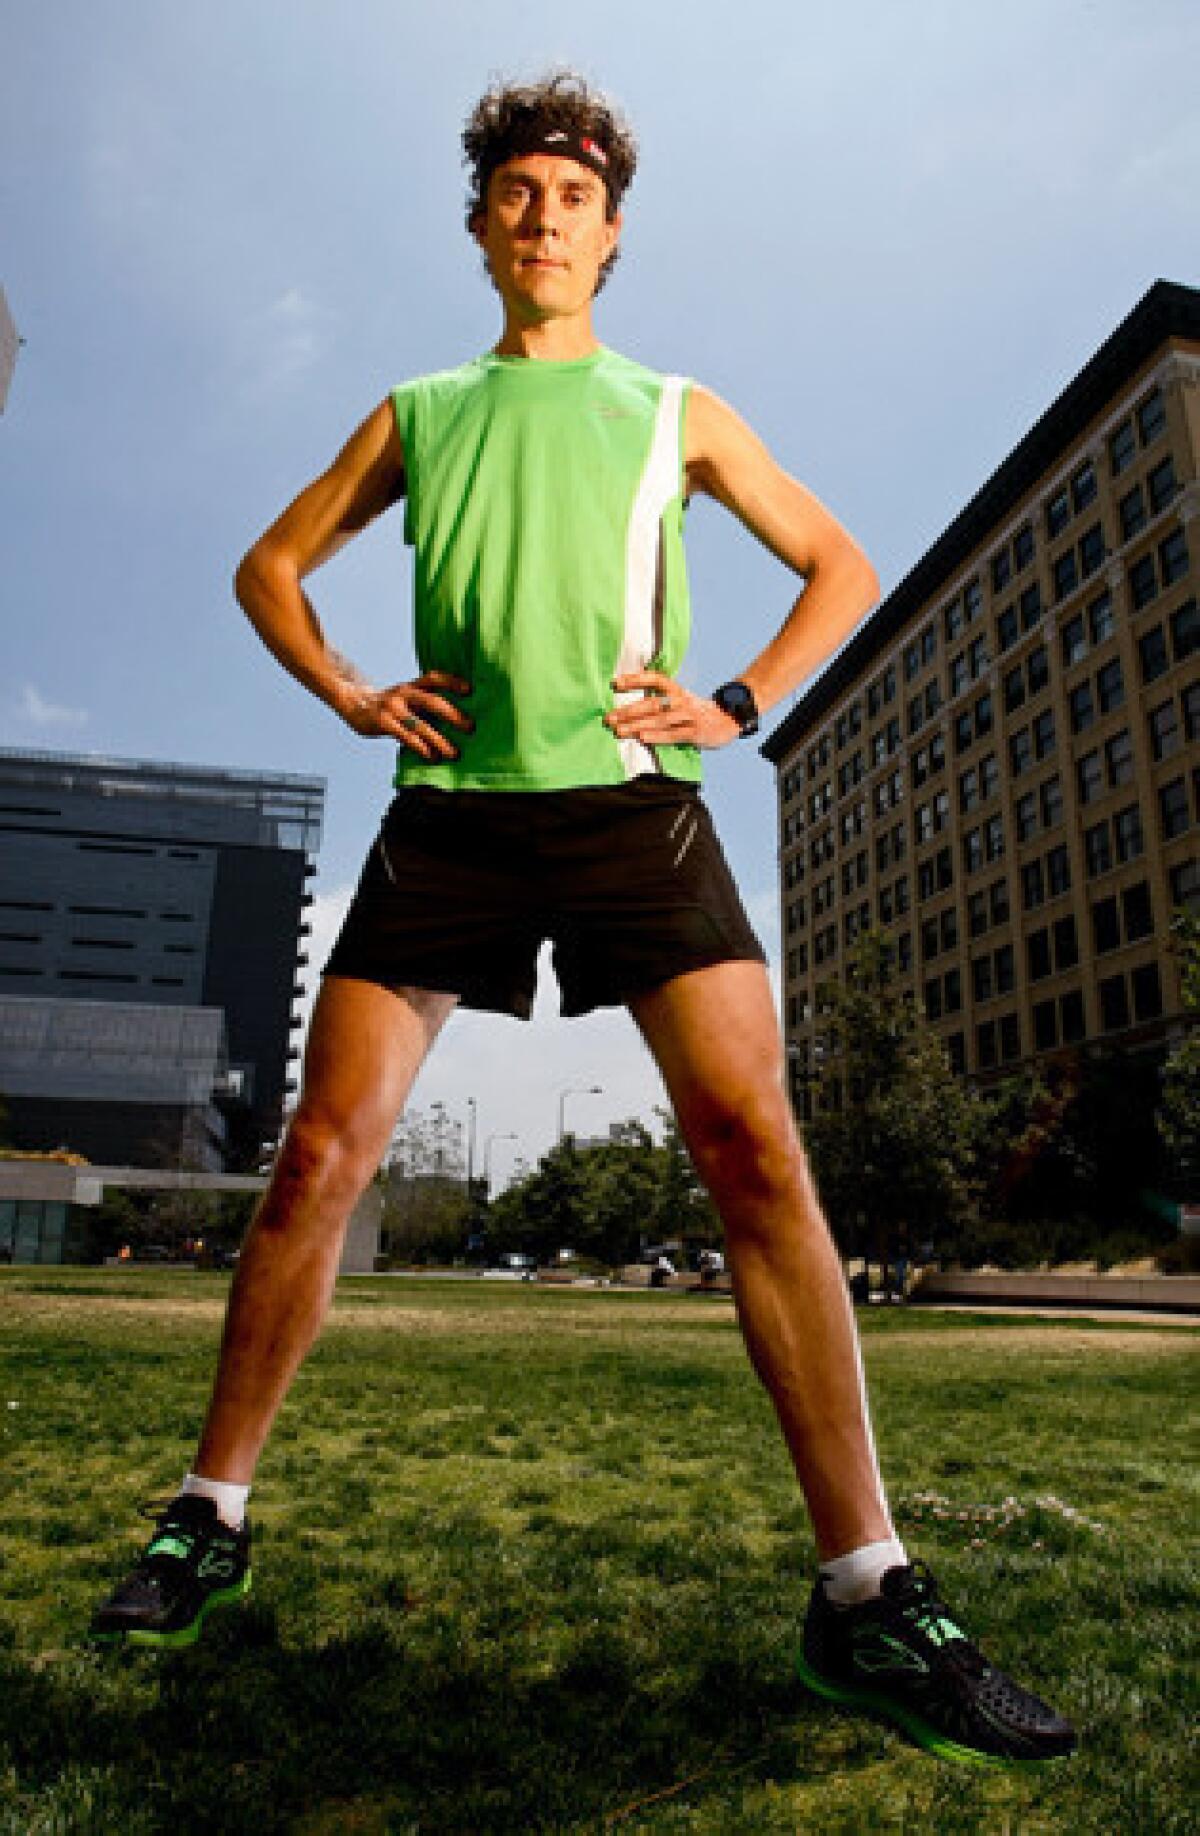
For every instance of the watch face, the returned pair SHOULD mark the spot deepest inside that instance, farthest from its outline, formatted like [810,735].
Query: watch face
[736,700]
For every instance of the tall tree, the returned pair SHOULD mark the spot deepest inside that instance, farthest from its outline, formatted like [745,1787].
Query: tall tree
[1179,1115]
[894,1133]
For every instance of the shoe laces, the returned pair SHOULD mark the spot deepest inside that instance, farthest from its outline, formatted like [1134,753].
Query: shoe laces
[919,1602]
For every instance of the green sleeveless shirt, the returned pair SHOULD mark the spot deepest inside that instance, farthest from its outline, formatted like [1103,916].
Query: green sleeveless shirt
[545,511]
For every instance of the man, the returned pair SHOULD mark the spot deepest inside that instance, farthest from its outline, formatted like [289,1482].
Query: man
[547,788]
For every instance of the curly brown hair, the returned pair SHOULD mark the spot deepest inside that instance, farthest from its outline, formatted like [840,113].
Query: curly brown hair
[561,99]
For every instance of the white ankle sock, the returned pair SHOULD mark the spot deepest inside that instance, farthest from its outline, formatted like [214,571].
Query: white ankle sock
[856,1576]
[230,1500]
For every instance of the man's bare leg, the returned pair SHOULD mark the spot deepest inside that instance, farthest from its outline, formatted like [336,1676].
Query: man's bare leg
[365,1047]
[716,1038]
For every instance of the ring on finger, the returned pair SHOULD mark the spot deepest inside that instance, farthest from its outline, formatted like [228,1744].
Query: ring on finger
[409,722]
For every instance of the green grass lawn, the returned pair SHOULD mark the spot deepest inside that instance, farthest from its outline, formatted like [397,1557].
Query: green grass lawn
[532,1560]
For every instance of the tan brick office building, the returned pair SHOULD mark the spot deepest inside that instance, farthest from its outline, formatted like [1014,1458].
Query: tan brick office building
[1001,772]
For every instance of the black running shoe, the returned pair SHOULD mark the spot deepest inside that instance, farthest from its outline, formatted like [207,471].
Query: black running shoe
[193,1563]
[901,1655]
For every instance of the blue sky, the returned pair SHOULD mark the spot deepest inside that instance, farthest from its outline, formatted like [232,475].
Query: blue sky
[889,235]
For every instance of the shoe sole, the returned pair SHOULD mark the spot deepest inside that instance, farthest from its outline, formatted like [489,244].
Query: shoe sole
[920,1731]
[186,1635]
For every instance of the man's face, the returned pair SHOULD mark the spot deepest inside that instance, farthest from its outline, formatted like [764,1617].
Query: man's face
[546,235]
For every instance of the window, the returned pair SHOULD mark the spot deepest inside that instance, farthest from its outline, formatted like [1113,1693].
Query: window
[977,916]
[1037,950]
[1026,813]
[1185,631]
[1151,417]
[1066,943]
[1010,1037]
[977,656]
[981,978]
[1091,550]
[1014,689]
[998,901]
[1118,758]
[968,784]
[1152,654]
[1082,710]
[993,833]
[985,1044]
[953,620]
[1023,546]
[1043,734]
[1191,710]
[1160,484]
[1066,575]
[1137,911]
[1173,557]
[989,776]
[1058,871]
[983,716]
[1121,448]
[1147,992]
[1020,751]
[1132,512]
[1083,486]
[1045,1026]
[1100,618]
[1173,809]
[1007,629]
[1001,570]
[1058,513]
[1106,929]
[1074,641]
[1037,669]
[958,673]
[1070,1010]
[933,998]
[1164,730]
[1110,686]
[1143,582]
[1089,777]
[1097,849]
[1033,886]
[1127,832]
[1006,971]
[1051,799]
[1185,885]
[1031,606]
[1114,1004]
[928,644]
[972,845]
[912,661]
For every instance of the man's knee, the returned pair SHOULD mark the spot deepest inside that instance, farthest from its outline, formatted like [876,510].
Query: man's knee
[323,1157]
[745,1149]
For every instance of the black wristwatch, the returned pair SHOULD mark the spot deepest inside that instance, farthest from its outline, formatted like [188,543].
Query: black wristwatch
[736,700]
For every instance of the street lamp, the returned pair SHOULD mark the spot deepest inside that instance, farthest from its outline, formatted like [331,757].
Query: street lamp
[574,1090]
[507,1134]
[471,1106]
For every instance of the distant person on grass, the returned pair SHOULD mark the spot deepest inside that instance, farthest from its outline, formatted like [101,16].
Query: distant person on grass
[547,788]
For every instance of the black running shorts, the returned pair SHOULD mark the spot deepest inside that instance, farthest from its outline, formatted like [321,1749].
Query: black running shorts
[461,889]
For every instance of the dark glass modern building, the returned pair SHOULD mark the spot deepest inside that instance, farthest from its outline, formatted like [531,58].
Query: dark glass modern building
[152,919]
[1001,771]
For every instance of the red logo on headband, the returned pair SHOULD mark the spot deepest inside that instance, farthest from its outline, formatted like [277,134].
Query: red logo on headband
[590,147]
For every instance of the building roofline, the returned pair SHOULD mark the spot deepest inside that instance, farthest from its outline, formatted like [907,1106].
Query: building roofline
[1166,310]
[169,771]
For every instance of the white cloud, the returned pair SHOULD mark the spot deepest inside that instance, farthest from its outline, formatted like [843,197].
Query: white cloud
[34,709]
[279,343]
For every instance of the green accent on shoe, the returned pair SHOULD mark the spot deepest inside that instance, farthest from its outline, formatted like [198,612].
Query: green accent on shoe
[920,1731]
[171,1545]
[186,1635]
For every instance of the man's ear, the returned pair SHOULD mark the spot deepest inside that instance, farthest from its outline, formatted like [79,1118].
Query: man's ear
[478,225]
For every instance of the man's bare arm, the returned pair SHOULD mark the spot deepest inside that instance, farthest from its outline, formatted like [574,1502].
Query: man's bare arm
[727,461]
[365,479]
